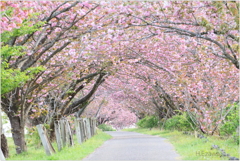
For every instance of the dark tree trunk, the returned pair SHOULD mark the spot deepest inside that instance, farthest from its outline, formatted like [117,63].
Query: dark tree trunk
[52,131]
[4,146]
[18,133]
[52,127]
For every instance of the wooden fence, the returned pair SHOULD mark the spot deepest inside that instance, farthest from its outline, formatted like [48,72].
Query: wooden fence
[85,129]
[45,139]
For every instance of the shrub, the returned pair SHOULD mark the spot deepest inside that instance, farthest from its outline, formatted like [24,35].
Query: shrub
[231,122]
[105,127]
[236,137]
[148,122]
[179,122]
[33,137]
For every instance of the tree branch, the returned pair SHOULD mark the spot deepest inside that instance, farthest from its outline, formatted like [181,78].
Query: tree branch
[85,98]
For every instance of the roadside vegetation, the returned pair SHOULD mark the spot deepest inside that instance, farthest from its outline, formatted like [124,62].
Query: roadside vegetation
[77,152]
[190,142]
[191,148]
[118,62]
[105,127]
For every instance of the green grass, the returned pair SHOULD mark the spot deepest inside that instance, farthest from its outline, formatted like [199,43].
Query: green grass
[191,148]
[77,152]
[105,127]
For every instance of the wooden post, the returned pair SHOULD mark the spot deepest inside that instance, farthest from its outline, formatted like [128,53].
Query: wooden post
[88,128]
[67,133]
[85,128]
[58,135]
[78,130]
[45,140]
[82,127]
[94,126]
[63,132]
[195,134]
[69,136]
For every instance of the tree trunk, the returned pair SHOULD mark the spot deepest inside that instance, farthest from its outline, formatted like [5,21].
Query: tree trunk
[0,122]
[4,146]
[18,133]
[52,131]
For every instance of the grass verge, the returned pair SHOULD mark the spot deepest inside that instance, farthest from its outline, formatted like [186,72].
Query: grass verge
[77,152]
[191,148]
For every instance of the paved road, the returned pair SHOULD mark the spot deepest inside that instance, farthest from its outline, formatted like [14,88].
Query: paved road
[134,146]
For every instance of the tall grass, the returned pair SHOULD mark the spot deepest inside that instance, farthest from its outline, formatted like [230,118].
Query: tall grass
[191,148]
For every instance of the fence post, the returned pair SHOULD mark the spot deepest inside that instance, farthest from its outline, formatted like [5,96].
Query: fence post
[45,140]
[58,135]
[195,133]
[69,136]
[78,130]
[63,132]
[94,126]
[88,128]
[85,129]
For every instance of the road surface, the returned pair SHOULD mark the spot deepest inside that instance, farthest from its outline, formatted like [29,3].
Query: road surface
[134,146]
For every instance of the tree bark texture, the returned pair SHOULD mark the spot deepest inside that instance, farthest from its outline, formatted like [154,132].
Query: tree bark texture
[18,134]
[4,146]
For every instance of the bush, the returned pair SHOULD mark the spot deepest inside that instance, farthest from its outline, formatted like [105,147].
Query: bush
[105,127]
[231,121]
[179,122]
[33,137]
[148,122]
[236,137]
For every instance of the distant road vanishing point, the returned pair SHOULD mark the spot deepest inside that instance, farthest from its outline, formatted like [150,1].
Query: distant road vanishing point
[134,146]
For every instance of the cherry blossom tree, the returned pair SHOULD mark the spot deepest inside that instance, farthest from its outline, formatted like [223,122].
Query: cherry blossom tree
[190,53]
[163,57]
[57,30]
[110,110]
